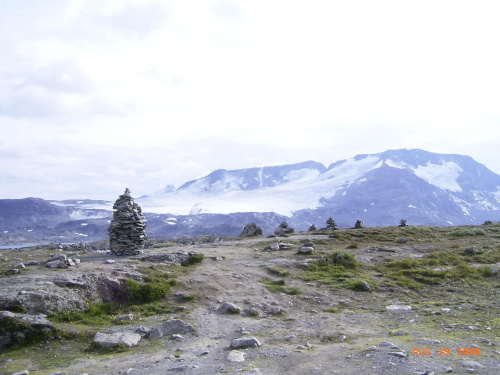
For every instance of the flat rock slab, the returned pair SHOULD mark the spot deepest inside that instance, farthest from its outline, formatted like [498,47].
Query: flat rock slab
[171,327]
[245,342]
[116,339]
[398,308]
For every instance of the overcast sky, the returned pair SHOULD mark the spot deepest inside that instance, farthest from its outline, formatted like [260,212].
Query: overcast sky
[96,96]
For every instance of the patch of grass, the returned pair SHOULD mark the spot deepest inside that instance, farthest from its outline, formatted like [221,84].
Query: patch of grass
[353,245]
[97,314]
[193,259]
[359,285]
[340,259]
[331,269]
[462,232]
[278,286]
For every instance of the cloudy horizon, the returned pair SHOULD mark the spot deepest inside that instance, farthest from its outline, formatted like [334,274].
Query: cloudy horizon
[99,96]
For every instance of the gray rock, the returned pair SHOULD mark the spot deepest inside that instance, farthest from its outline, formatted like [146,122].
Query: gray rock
[15,328]
[20,265]
[399,354]
[398,308]
[275,246]
[449,370]
[52,264]
[306,250]
[57,257]
[31,263]
[116,339]
[235,356]
[389,344]
[472,364]
[245,342]
[171,327]
[123,318]
[398,333]
[25,372]
[228,308]
[70,262]
[109,261]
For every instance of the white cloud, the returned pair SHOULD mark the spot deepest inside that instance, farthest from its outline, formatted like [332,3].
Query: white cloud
[162,92]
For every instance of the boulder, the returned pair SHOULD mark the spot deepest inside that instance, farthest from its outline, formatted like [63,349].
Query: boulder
[171,327]
[251,230]
[306,250]
[116,339]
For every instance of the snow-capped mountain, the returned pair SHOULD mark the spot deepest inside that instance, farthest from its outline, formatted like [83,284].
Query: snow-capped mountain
[380,189]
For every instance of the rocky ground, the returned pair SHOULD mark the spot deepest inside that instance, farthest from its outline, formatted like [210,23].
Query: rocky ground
[438,321]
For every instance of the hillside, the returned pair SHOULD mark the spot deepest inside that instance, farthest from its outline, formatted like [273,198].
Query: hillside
[406,300]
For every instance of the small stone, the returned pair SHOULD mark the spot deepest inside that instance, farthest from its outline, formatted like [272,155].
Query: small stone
[70,262]
[228,308]
[399,354]
[122,318]
[20,265]
[449,370]
[275,246]
[398,333]
[245,342]
[171,327]
[25,372]
[276,311]
[109,261]
[177,337]
[471,364]
[236,356]
[389,344]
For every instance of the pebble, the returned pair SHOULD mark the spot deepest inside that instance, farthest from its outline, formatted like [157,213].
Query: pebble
[449,370]
[398,308]
[399,354]
[109,261]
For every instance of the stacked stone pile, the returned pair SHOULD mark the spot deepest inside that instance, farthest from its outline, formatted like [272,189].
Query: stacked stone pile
[330,224]
[127,230]
[283,230]
[359,224]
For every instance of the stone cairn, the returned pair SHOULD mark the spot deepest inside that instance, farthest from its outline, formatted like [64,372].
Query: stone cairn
[359,224]
[251,230]
[127,229]
[330,224]
[283,230]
